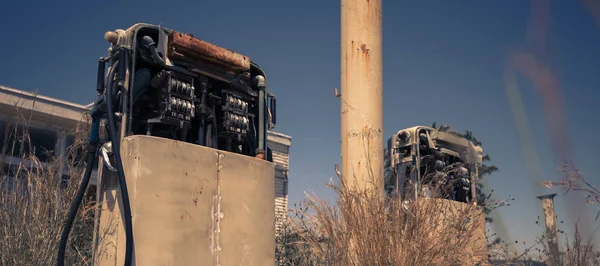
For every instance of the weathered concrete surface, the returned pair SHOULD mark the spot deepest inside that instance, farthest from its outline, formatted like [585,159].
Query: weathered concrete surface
[191,205]
[451,213]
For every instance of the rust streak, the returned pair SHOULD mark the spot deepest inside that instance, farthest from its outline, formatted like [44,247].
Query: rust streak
[197,50]
[364,49]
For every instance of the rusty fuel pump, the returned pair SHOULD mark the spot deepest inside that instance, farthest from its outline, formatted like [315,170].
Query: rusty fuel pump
[178,181]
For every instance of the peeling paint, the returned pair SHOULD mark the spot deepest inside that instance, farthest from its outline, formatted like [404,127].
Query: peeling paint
[190,48]
[364,49]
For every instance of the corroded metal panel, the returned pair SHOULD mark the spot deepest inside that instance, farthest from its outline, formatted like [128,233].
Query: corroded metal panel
[441,215]
[186,46]
[191,205]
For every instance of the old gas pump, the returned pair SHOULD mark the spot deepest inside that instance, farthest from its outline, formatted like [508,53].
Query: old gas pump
[179,183]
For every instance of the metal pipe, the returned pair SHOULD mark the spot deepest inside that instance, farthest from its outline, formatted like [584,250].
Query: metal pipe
[548,206]
[261,85]
[474,180]
[202,127]
[362,94]
[273,110]
[122,67]
[123,88]
[100,78]
[214,134]
[417,163]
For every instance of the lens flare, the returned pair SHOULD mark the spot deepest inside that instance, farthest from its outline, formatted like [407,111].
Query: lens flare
[532,63]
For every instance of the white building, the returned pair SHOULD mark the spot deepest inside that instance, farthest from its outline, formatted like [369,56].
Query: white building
[280,146]
[49,119]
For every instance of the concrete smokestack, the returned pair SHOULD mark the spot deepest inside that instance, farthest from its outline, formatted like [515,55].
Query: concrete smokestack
[550,217]
[362,94]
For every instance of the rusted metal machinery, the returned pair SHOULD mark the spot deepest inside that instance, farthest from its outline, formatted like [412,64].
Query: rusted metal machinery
[421,161]
[433,168]
[191,121]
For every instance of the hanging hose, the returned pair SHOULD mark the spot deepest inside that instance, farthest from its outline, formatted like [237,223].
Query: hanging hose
[91,154]
[90,158]
[114,138]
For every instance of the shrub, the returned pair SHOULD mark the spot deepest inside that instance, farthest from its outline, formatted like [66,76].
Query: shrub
[362,228]
[35,199]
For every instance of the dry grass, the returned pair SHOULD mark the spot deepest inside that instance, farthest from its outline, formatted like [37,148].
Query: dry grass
[381,232]
[361,228]
[34,206]
[321,233]
[573,180]
[578,251]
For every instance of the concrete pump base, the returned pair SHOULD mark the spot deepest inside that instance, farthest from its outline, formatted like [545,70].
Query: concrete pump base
[191,205]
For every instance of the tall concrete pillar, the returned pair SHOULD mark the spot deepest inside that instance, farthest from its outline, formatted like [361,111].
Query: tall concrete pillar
[362,94]
[552,240]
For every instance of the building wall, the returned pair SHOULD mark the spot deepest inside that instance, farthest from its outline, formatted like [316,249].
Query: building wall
[47,121]
[280,147]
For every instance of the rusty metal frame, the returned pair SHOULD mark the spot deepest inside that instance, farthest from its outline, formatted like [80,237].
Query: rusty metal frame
[186,47]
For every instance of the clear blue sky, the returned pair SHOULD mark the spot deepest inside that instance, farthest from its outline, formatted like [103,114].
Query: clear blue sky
[448,55]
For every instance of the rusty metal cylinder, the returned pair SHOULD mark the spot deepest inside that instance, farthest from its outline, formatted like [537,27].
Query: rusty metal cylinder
[550,222]
[362,94]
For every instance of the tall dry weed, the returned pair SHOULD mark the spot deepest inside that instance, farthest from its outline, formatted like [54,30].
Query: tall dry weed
[573,180]
[35,198]
[362,228]
[578,251]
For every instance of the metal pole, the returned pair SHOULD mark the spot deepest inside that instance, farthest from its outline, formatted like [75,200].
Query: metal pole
[474,180]
[362,95]
[548,206]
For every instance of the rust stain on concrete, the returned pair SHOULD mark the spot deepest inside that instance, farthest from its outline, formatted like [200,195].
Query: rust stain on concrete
[364,49]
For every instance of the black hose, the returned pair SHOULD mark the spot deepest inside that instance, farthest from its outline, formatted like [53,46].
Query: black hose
[149,44]
[90,158]
[122,183]
[208,138]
